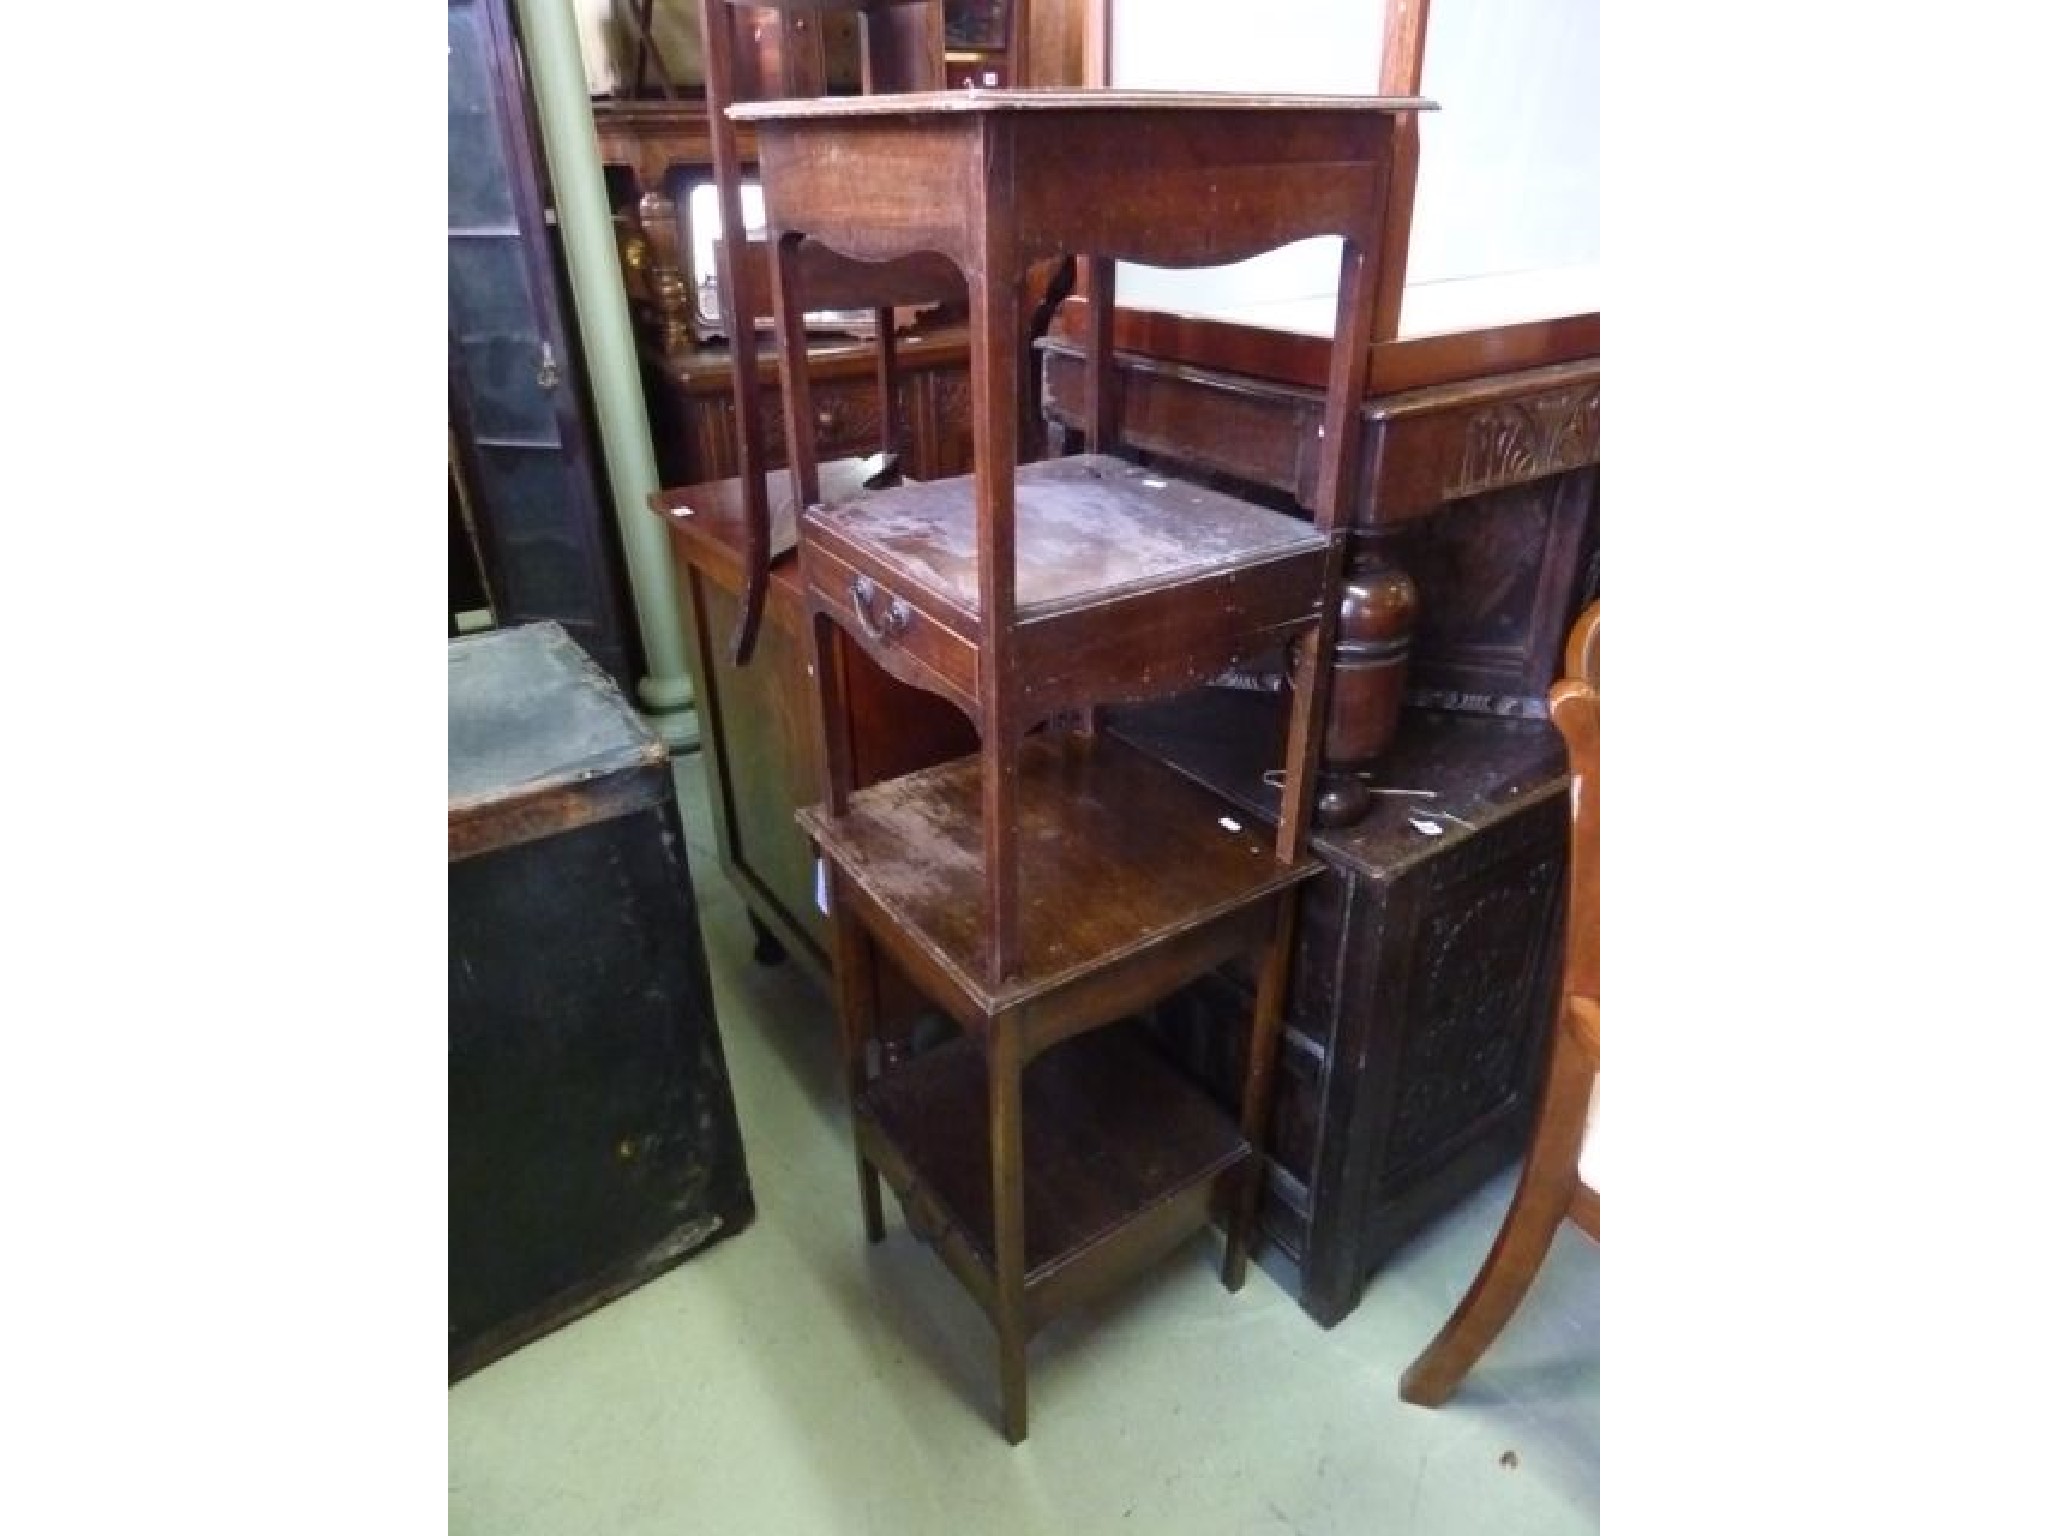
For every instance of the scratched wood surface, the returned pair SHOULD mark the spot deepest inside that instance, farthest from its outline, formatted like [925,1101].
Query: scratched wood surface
[540,740]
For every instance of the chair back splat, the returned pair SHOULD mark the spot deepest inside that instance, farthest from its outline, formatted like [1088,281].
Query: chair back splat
[763,50]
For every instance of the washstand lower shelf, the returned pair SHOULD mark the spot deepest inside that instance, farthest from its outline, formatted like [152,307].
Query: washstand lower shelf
[1117,1145]
[1125,860]
[1050,1153]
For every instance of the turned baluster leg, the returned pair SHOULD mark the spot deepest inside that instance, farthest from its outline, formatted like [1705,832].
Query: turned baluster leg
[1369,670]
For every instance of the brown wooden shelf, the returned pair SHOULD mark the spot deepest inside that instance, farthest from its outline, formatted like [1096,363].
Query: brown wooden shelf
[1120,855]
[1115,1142]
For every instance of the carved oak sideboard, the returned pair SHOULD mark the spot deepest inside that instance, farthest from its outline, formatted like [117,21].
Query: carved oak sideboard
[1484,490]
[1423,973]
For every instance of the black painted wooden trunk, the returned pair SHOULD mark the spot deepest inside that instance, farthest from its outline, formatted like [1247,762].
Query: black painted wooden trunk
[592,1139]
[1423,981]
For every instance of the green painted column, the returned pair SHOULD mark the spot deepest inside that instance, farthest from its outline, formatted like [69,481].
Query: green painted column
[554,63]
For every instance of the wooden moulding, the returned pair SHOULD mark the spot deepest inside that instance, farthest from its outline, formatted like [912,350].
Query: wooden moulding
[649,138]
[1292,357]
[1420,448]
[707,370]
[1106,1191]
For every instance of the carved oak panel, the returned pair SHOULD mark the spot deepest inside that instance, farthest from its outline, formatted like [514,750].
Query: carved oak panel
[1499,577]
[1426,447]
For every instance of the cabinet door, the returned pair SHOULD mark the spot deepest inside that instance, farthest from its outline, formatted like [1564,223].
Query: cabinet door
[515,399]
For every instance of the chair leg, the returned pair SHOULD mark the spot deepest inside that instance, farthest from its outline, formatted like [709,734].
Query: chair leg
[1006,1149]
[1257,1101]
[853,951]
[853,979]
[1543,1196]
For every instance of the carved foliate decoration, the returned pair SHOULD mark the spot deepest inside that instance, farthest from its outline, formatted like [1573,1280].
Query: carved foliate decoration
[1461,1063]
[1522,439]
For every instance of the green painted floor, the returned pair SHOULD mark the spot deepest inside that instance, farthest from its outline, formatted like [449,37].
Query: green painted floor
[795,1381]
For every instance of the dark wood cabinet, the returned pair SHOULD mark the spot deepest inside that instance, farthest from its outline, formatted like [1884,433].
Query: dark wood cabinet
[761,727]
[592,1137]
[690,406]
[519,415]
[1425,962]
[1422,986]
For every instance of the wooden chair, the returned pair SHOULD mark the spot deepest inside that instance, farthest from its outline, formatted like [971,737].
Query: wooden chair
[1558,1178]
[761,50]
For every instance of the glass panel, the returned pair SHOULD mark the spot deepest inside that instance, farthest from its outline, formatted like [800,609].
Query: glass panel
[498,343]
[488,291]
[534,507]
[506,401]
[479,186]
[977,23]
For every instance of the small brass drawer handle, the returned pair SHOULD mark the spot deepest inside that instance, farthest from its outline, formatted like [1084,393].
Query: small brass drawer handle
[895,617]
